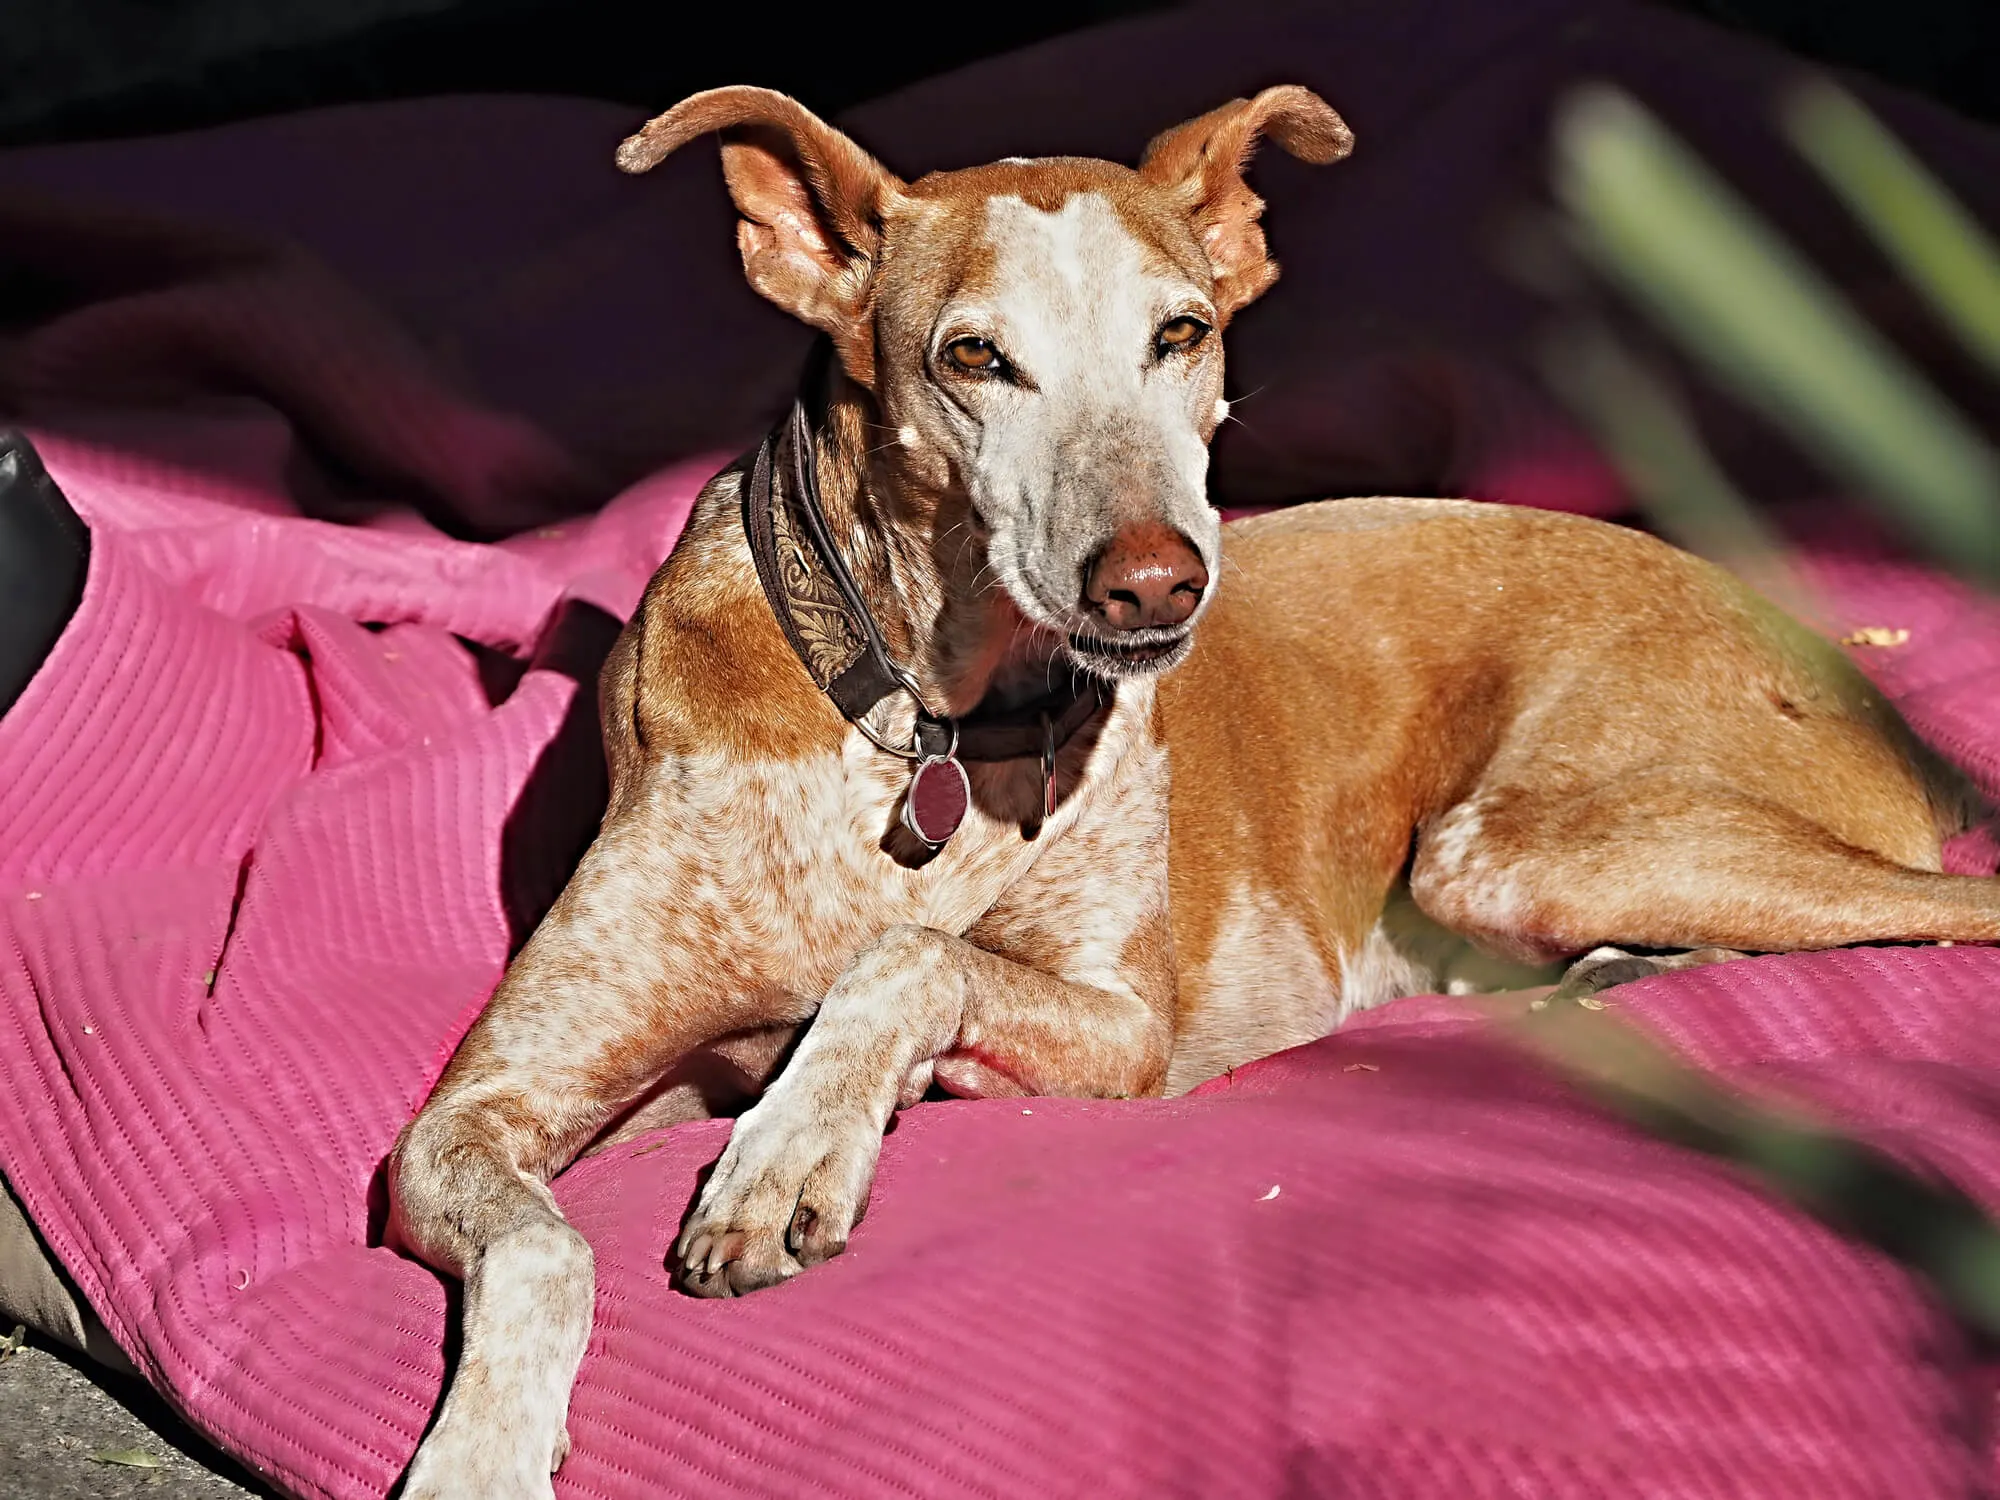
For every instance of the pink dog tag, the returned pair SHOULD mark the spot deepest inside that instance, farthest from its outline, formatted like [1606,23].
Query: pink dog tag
[936,802]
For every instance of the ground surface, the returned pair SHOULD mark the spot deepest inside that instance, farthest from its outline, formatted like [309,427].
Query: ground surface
[53,1417]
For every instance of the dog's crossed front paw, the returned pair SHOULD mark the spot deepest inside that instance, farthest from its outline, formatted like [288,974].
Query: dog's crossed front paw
[784,1197]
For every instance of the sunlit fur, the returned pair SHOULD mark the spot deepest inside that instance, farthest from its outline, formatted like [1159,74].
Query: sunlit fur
[1399,732]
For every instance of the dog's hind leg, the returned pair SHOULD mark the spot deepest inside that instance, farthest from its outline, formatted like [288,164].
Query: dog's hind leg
[1676,862]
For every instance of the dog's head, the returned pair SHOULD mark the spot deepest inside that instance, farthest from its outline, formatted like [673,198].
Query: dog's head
[1042,338]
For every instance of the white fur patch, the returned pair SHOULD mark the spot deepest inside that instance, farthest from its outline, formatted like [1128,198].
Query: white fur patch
[1075,303]
[1264,989]
[1377,972]
[1450,842]
[1493,897]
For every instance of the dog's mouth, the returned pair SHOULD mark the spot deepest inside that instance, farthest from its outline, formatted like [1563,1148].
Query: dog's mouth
[1144,654]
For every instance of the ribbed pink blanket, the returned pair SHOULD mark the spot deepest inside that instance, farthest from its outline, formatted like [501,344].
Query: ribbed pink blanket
[289,787]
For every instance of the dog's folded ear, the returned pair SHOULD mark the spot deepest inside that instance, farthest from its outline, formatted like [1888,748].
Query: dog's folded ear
[1202,162]
[812,204]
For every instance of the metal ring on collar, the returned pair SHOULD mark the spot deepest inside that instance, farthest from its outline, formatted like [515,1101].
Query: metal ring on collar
[913,750]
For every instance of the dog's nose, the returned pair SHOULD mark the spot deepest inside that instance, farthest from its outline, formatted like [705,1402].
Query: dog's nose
[1149,575]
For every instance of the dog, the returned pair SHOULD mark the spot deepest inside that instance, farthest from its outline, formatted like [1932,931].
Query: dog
[944,755]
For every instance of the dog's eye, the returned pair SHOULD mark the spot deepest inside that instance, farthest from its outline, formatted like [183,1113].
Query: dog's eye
[1182,333]
[973,354]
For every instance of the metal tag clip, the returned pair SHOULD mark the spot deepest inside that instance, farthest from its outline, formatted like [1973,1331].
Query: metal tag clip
[1048,767]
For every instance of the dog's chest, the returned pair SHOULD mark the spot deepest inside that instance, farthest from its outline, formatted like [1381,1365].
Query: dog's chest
[789,864]
[783,865]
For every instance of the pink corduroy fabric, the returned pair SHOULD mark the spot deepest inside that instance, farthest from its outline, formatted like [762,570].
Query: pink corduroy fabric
[1394,1263]
[276,807]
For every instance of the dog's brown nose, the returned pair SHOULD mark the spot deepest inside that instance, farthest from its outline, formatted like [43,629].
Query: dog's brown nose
[1149,575]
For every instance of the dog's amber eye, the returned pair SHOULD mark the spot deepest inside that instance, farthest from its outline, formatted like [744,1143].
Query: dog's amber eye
[1182,333]
[973,354]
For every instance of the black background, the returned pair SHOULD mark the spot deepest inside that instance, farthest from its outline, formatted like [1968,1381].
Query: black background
[85,69]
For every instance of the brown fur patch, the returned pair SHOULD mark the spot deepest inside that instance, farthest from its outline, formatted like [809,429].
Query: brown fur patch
[713,668]
[952,208]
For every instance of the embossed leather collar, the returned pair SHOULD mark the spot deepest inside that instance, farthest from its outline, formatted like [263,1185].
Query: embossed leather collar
[833,633]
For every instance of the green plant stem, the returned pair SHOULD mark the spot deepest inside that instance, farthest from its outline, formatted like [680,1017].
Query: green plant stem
[1767,326]
[1940,247]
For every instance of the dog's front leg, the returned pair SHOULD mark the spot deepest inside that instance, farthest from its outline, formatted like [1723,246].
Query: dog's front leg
[915,1005]
[620,980]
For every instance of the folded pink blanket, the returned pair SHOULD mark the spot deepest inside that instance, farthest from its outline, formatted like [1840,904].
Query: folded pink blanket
[306,764]
[254,890]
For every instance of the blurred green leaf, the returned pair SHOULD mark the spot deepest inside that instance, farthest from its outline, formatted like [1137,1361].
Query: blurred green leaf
[1926,1223]
[1647,433]
[1768,327]
[1921,227]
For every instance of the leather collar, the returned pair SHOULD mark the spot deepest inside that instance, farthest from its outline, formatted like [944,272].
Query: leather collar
[834,634]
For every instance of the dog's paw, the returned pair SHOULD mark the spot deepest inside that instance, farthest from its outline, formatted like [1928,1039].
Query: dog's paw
[458,1463]
[787,1191]
[1602,969]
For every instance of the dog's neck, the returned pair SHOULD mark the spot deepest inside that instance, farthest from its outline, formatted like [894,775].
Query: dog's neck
[918,554]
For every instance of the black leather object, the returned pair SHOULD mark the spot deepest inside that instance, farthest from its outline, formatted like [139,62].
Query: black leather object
[44,553]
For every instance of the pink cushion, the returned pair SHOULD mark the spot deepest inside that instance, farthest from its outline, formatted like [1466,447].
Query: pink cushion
[1465,1279]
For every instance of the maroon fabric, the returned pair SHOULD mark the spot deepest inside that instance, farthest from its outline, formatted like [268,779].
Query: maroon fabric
[1394,357]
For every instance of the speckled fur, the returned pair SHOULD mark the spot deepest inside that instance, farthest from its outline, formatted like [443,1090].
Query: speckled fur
[1403,729]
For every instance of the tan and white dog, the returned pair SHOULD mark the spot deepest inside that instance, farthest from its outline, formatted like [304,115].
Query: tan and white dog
[1392,729]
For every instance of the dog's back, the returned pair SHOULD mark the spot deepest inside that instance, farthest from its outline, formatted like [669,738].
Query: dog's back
[1438,652]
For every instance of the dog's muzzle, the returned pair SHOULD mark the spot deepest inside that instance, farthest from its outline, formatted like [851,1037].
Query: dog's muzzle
[1140,654]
